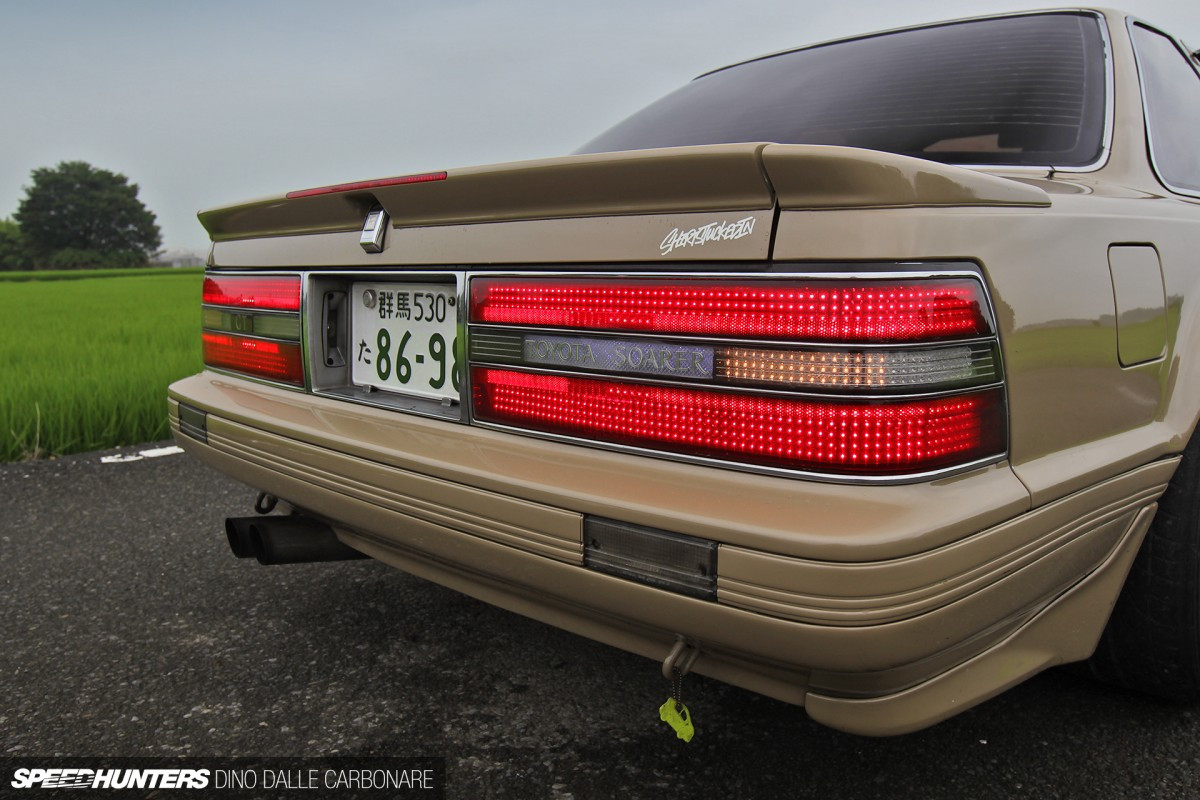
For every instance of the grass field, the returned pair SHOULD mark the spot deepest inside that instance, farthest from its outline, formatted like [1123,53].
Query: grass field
[87,274]
[85,362]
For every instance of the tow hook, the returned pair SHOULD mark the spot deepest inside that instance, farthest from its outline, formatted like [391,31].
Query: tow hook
[265,503]
[681,658]
[677,664]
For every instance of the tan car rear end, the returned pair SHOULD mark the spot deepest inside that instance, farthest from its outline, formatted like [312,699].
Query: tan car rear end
[881,606]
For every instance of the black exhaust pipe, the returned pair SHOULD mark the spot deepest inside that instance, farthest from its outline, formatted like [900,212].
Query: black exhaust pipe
[292,539]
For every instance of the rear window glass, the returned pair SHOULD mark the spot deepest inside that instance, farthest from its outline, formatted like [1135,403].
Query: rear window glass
[1026,90]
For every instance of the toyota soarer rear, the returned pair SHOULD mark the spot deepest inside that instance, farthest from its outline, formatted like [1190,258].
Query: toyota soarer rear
[806,377]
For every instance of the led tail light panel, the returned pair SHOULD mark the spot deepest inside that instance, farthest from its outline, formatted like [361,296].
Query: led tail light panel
[804,310]
[913,436]
[896,377]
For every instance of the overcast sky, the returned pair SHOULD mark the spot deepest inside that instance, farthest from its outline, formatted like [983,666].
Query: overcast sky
[211,101]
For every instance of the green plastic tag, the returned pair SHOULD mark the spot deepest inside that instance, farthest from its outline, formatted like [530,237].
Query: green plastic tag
[680,720]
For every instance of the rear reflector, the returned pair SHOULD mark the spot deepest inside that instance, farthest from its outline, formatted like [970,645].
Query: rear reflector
[672,561]
[271,293]
[879,438]
[277,361]
[193,422]
[426,177]
[810,310]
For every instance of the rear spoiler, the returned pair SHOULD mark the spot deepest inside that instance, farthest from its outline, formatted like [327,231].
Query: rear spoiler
[726,177]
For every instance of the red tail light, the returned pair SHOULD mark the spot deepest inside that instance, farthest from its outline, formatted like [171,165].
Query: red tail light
[280,361]
[817,311]
[252,326]
[839,437]
[835,375]
[273,293]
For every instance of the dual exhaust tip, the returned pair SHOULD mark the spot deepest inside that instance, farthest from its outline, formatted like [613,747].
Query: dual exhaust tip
[291,539]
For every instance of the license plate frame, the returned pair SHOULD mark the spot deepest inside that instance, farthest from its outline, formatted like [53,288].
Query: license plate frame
[397,329]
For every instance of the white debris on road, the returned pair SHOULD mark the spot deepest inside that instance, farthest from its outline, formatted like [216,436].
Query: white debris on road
[157,452]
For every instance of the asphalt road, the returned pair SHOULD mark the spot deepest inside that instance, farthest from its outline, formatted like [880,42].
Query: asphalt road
[128,629]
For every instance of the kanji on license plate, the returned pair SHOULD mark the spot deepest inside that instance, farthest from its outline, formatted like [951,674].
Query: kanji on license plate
[405,338]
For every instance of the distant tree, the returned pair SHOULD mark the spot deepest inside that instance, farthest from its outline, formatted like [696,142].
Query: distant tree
[13,253]
[86,217]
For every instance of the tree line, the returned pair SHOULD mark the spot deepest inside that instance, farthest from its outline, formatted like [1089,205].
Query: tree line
[76,216]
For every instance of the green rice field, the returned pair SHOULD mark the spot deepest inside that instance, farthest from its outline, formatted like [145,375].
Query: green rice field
[85,361]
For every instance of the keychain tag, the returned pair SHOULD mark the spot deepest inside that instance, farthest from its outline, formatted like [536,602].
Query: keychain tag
[680,720]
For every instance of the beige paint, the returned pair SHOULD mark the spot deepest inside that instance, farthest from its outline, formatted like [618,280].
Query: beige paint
[809,177]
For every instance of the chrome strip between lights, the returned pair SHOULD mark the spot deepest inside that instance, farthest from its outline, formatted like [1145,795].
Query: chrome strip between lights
[224,323]
[305,354]
[985,362]
[726,341]
[270,312]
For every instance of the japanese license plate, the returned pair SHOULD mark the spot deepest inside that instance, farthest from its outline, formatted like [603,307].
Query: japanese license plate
[405,338]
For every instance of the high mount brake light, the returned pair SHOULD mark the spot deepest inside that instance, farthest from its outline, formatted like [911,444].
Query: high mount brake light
[271,293]
[911,436]
[358,186]
[807,310]
[252,326]
[844,376]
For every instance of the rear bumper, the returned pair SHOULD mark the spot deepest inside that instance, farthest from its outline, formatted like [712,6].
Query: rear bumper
[881,609]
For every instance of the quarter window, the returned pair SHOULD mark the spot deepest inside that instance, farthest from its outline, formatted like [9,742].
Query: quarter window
[1171,87]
